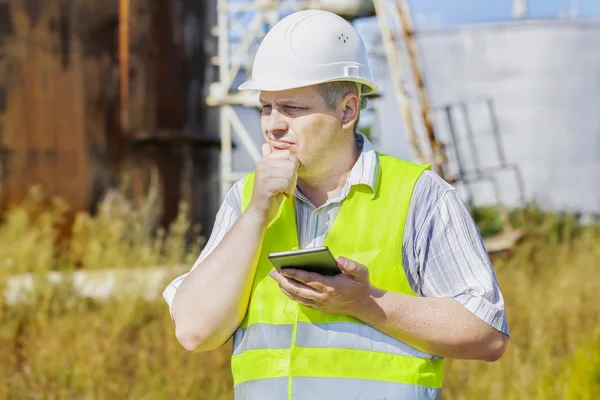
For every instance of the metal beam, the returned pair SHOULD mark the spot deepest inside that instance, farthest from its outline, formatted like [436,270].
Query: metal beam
[408,34]
[235,51]
[400,90]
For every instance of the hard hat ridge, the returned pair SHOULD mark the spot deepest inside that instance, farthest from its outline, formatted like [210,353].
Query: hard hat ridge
[308,48]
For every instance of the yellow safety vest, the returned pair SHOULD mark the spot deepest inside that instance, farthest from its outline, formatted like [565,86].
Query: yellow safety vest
[283,350]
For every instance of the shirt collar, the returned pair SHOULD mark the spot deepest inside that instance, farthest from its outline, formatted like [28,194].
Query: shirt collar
[366,169]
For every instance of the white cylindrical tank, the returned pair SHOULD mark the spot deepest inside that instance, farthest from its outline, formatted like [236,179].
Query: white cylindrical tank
[544,80]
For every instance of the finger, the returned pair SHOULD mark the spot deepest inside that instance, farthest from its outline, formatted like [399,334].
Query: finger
[279,154]
[355,270]
[286,155]
[294,180]
[291,190]
[280,167]
[300,289]
[275,168]
[295,287]
[277,277]
[295,160]
[280,185]
[314,280]
[298,299]
[266,149]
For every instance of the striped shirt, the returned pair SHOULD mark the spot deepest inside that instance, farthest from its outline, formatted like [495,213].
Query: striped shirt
[442,251]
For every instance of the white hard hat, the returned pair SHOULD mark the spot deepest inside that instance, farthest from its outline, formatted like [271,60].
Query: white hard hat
[307,48]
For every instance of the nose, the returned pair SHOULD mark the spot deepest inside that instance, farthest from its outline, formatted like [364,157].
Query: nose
[276,124]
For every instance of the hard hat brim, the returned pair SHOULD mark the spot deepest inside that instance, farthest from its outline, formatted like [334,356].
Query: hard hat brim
[273,85]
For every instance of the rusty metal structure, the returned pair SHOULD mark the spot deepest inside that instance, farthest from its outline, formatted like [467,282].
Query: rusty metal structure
[92,90]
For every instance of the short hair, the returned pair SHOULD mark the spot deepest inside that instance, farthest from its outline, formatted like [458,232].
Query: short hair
[334,92]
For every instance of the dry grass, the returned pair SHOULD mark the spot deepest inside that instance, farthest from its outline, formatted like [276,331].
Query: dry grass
[42,234]
[551,287]
[60,347]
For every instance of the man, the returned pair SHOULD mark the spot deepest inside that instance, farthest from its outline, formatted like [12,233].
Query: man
[417,285]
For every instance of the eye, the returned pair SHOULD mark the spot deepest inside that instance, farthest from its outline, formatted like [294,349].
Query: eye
[266,108]
[293,108]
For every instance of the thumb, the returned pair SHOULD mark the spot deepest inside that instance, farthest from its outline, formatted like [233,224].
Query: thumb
[355,270]
[266,149]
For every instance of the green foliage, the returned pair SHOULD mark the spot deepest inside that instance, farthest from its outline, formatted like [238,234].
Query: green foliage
[366,130]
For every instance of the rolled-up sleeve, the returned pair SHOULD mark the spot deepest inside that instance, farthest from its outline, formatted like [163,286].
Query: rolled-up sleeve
[448,259]
[228,213]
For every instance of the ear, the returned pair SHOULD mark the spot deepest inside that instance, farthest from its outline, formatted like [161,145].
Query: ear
[350,108]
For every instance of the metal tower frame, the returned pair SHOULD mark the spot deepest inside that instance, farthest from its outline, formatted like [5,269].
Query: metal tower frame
[400,45]
[236,52]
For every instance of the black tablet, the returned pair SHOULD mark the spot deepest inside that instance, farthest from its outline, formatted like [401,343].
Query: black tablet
[316,259]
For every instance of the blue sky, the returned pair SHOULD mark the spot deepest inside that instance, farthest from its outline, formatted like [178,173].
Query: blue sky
[444,13]
[432,13]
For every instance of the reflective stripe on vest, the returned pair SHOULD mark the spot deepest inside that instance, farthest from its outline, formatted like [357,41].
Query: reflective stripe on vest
[333,389]
[343,335]
[295,352]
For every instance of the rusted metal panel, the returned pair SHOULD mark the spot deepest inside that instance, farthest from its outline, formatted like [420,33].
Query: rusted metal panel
[6,23]
[60,128]
[44,117]
[177,136]
[55,125]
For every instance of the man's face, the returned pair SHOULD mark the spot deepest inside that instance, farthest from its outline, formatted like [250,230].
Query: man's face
[298,120]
